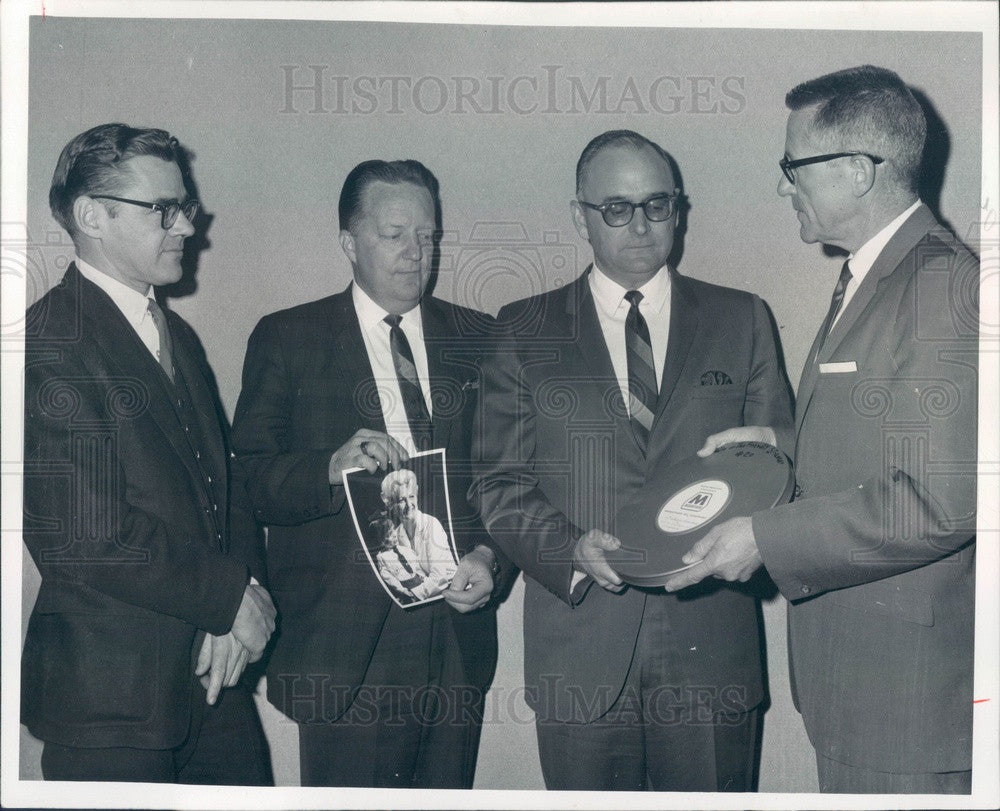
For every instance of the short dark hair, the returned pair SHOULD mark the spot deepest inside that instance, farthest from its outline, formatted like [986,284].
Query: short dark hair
[617,138]
[92,163]
[375,171]
[868,109]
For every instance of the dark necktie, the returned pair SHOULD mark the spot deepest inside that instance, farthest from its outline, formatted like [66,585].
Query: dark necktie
[409,385]
[835,303]
[166,352]
[641,373]
[402,560]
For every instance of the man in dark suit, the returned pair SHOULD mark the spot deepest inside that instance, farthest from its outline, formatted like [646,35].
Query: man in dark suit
[596,385]
[383,696]
[150,562]
[877,554]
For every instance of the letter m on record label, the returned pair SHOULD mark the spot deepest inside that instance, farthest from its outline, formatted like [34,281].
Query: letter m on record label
[697,502]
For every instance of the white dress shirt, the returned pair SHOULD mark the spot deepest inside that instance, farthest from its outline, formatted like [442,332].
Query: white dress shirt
[375,332]
[134,306]
[861,262]
[612,310]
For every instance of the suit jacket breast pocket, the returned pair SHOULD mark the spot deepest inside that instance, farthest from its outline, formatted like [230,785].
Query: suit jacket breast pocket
[715,408]
[838,380]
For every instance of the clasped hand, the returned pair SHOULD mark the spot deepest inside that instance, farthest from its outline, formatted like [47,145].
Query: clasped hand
[222,659]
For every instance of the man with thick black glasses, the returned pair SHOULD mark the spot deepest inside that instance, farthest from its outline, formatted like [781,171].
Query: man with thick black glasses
[877,554]
[597,385]
[150,605]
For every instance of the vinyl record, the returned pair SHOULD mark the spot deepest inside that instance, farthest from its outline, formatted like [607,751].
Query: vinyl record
[679,504]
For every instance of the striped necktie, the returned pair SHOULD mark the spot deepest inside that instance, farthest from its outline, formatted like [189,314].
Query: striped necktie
[835,302]
[641,373]
[166,352]
[417,415]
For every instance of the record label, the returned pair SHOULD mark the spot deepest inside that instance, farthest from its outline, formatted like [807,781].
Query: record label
[693,506]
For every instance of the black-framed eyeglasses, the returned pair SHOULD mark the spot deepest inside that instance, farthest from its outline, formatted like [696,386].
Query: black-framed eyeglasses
[617,213]
[168,211]
[789,166]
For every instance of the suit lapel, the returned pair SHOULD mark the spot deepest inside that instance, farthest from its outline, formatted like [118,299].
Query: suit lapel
[442,376]
[684,316]
[350,356]
[202,399]
[126,355]
[584,325]
[913,229]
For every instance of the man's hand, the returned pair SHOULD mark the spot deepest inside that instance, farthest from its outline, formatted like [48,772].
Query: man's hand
[371,450]
[745,433]
[588,557]
[221,662]
[728,551]
[472,584]
[254,621]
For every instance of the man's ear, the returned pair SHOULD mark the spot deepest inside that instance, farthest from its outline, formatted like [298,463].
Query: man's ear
[862,174]
[579,219]
[347,243]
[89,216]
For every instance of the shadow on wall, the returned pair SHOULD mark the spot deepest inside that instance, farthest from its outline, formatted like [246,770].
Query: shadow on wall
[193,245]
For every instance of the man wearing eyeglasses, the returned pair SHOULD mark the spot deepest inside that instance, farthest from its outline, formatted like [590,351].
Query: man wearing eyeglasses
[597,385]
[150,605]
[877,554]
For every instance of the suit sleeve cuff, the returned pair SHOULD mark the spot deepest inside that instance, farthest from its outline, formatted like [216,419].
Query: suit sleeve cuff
[579,586]
[230,592]
[778,558]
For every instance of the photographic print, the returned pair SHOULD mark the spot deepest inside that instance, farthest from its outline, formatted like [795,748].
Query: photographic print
[403,521]
[293,155]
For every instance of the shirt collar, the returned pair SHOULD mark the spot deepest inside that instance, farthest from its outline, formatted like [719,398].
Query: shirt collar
[134,305]
[862,261]
[611,295]
[370,313]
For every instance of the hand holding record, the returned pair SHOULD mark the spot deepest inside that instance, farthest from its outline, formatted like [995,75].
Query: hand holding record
[728,551]
[678,528]
[590,558]
[742,433]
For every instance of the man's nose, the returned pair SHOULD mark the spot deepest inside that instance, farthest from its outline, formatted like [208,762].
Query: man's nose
[785,187]
[639,224]
[414,249]
[182,227]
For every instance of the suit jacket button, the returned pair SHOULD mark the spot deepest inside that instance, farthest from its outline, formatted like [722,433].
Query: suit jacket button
[806,590]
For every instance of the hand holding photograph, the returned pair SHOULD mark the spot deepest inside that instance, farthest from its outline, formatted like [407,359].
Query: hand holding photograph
[396,515]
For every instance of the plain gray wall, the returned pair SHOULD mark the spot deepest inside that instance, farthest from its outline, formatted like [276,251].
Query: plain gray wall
[269,166]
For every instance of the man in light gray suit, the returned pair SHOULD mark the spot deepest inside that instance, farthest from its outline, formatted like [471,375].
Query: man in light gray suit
[877,554]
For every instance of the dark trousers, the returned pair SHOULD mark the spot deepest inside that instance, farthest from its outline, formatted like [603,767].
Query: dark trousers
[414,723]
[840,778]
[226,746]
[653,738]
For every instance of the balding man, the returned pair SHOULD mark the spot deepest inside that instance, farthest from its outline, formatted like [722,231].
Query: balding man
[597,385]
